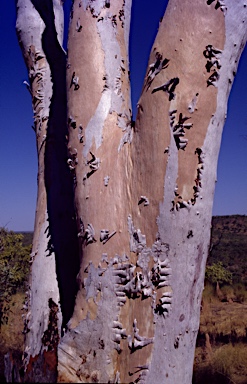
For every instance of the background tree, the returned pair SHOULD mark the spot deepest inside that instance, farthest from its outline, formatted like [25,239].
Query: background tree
[216,273]
[143,193]
[14,268]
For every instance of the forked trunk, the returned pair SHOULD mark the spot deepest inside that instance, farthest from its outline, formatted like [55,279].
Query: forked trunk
[144,192]
[144,208]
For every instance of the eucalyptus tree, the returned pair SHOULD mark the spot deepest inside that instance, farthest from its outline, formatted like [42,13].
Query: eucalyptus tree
[142,191]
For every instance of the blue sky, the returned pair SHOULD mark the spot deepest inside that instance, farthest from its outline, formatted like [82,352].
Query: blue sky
[18,160]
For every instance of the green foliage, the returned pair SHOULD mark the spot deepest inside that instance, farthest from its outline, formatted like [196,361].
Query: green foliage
[217,273]
[27,238]
[14,268]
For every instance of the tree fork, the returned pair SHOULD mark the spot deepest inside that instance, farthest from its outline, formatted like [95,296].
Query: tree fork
[144,194]
[159,285]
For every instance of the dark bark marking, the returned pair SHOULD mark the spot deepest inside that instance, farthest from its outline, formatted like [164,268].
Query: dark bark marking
[212,80]
[78,26]
[168,87]
[197,187]
[80,135]
[105,235]
[143,199]
[212,55]
[35,62]
[190,234]
[73,159]
[43,367]
[176,342]
[165,304]
[107,4]
[50,338]
[155,69]
[101,344]
[140,368]
[93,13]
[72,122]
[178,129]
[219,4]
[121,17]
[74,81]
[106,85]
[114,21]
[93,163]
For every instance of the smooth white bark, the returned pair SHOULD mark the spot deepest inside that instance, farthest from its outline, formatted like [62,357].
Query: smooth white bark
[43,284]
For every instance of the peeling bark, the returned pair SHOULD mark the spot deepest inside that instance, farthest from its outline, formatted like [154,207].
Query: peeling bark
[143,194]
[30,28]
[100,131]
[155,288]
[179,126]
[39,30]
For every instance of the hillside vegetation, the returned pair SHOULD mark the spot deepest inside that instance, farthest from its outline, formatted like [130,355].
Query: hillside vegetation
[229,245]
[221,353]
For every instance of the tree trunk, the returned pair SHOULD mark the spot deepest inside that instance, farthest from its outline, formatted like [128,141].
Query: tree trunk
[144,192]
[100,132]
[54,256]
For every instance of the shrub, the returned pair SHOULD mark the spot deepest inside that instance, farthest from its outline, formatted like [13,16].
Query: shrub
[14,268]
[217,273]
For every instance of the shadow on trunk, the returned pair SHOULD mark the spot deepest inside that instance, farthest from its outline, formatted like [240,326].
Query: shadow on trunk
[58,180]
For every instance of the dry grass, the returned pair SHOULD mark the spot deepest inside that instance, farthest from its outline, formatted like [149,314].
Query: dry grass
[11,337]
[231,361]
[223,321]
[11,334]
[228,365]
